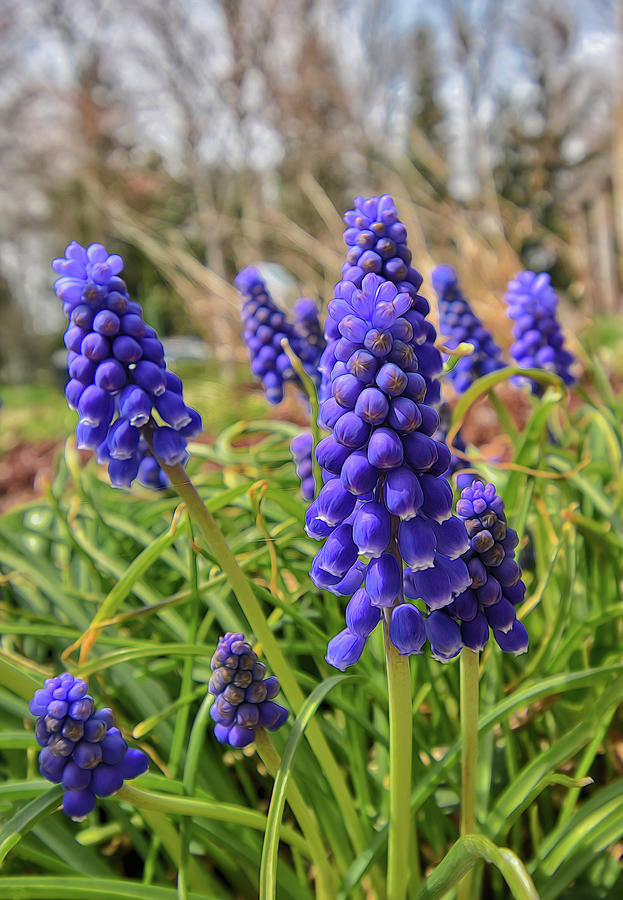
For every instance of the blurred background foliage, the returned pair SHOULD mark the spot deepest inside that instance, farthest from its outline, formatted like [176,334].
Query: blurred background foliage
[197,137]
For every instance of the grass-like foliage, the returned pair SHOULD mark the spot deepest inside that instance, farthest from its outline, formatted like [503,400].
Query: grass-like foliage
[129,590]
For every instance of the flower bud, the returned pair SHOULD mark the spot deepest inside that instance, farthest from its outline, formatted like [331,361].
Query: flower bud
[385,450]
[403,494]
[334,503]
[351,431]
[515,640]
[361,616]
[417,542]
[384,580]
[339,552]
[169,446]
[344,649]
[358,476]
[444,635]
[475,633]
[406,629]
[371,529]
[372,406]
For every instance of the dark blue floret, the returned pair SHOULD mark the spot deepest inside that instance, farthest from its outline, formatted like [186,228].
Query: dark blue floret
[118,377]
[244,696]
[82,749]
[265,327]
[495,582]
[457,323]
[540,344]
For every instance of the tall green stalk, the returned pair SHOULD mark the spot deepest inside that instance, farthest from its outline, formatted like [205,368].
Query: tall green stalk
[469,754]
[253,612]
[400,838]
[306,818]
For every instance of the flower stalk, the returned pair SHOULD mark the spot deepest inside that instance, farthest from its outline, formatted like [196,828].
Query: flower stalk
[469,753]
[401,836]
[305,816]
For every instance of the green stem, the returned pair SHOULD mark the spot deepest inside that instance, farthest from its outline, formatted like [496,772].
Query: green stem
[469,754]
[305,816]
[252,610]
[464,855]
[400,762]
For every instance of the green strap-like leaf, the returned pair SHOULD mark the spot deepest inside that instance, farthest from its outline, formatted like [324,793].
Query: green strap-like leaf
[20,824]
[35,887]
[268,867]
[464,855]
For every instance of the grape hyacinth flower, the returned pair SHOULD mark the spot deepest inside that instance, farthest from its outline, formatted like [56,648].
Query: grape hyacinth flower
[377,243]
[457,323]
[265,326]
[496,586]
[308,328]
[82,748]
[119,383]
[384,495]
[301,449]
[244,696]
[539,343]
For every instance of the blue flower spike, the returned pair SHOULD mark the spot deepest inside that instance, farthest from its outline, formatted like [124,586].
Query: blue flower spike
[496,587]
[458,323]
[384,496]
[82,748]
[244,696]
[265,327]
[539,341]
[119,383]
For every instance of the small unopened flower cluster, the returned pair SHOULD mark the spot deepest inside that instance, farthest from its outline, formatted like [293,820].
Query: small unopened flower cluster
[384,497]
[539,343]
[457,323]
[301,449]
[244,696]
[265,327]
[118,375]
[82,749]
[496,586]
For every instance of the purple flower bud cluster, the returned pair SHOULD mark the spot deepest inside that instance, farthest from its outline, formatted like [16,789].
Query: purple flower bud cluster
[539,343]
[496,586]
[308,328]
[118,376]
[82,749]
[377,243]
[265,326]
[244,696]
[301,449]
[457,323]
[384,496]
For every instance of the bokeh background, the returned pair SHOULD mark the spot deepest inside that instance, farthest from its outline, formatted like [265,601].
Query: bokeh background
[197,136]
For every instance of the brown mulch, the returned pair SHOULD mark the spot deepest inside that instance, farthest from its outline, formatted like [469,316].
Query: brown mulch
[24,469]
